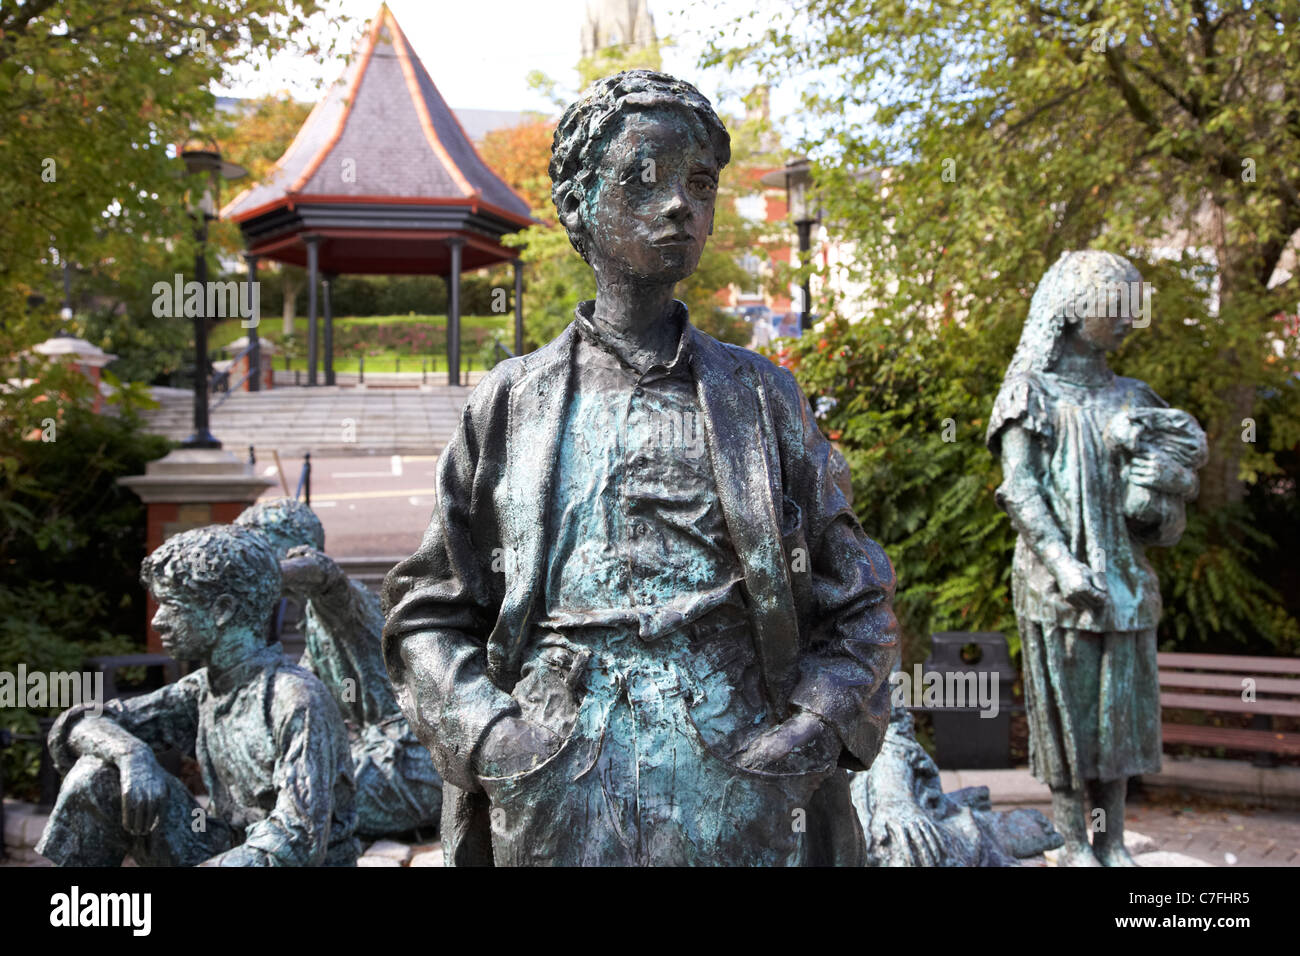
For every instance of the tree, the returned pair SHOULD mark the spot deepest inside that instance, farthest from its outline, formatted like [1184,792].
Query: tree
[92,94]
[520,155]
[1024,130]
[961,149]
[71,538]
[256,140]
[260,133]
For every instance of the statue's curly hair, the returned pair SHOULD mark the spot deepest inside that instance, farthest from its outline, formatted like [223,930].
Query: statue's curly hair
[289,520]
[205,563]
[593,119]
[1058,291]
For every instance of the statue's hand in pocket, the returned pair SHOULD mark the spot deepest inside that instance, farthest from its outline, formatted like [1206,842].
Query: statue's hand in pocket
[514,746]
[802,744]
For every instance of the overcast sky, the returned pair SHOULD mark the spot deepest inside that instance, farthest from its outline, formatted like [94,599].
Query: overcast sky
[479,52]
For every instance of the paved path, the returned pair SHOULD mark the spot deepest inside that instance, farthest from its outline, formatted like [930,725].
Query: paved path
[1215,835]
[373,452]
[1208,829]
[1212,834]
[1224,837]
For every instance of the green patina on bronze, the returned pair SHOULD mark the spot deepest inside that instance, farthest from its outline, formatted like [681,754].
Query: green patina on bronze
[644,625]
[398,788]
[910,821]
[1096,468]
[268,736]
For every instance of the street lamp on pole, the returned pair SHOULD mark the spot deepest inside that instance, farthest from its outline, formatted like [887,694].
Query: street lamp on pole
[205,169]
[796,178]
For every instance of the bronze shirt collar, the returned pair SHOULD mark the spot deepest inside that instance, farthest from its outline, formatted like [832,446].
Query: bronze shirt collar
[683,358]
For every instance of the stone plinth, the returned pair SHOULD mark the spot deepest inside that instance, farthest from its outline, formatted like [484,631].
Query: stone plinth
[190,488]
[88,358]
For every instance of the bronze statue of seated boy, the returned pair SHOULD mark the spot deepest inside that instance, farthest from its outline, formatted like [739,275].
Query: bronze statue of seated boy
[269,739]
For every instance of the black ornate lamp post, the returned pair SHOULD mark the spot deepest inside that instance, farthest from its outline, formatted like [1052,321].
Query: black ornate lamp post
[796,177]
[206,170]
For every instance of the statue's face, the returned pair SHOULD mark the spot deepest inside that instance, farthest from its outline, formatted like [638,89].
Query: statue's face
[188,633]
[650,208]
[1102,331]
[1103,310]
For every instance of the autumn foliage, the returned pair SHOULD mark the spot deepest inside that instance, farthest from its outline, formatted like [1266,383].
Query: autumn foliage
[520,155]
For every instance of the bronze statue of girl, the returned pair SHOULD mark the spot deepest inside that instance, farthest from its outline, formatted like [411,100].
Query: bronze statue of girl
[1095,468]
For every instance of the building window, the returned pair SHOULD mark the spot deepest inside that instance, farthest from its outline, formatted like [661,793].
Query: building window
[753,208]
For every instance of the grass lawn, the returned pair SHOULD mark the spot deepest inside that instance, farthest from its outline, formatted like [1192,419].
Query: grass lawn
[385,362]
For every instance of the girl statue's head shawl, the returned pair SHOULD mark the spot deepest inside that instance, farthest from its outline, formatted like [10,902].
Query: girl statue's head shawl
[1074,278]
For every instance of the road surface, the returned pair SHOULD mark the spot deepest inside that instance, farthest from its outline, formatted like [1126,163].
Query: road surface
[371,506]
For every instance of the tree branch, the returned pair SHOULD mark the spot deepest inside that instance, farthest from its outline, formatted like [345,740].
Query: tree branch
[1132,97]
[1040,109]
[1191,107]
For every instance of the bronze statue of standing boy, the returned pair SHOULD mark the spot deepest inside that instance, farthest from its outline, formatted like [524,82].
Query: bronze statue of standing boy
[644,625]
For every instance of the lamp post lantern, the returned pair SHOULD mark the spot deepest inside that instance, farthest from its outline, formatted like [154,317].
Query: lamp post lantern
[796,177]
[206,169]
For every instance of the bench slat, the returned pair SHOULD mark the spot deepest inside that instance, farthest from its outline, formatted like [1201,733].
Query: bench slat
[1263,685]
[1231,662]
[1233,737]
[1231,704]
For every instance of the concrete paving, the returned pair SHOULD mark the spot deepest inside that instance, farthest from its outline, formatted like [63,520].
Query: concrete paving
[1222,836]
[1201,825]
[1208,834]
[1011,786]
[1161,830]
[1275,787]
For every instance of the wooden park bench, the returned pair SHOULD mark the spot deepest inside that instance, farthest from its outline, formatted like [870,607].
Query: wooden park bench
[1218,683]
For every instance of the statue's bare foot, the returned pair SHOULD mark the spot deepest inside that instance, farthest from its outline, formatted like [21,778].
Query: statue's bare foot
[1114,855]
[1076,854]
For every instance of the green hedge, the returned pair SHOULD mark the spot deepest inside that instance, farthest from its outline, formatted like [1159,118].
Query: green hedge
[395,295]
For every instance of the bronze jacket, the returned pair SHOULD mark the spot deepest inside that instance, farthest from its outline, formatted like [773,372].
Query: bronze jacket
[819,591]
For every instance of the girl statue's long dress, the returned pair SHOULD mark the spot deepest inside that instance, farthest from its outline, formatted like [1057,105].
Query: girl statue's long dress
[1095,467]
[1104,660]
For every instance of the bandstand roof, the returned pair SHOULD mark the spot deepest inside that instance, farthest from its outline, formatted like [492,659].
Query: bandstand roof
[384,173]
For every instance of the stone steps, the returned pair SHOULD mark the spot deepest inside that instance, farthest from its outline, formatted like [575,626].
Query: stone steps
[323,421]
